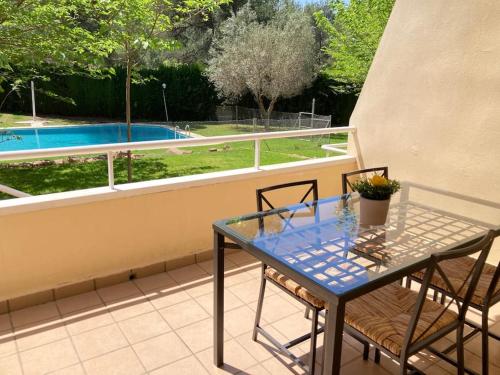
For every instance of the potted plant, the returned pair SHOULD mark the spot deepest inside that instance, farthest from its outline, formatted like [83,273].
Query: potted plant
[375,197]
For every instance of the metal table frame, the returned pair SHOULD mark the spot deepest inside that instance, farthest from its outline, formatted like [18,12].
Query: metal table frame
[334,320]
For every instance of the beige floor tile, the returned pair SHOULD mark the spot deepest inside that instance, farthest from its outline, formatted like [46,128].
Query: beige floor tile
[242,258]
[281,365]
[34,314]
[474,346]
[154,282]
[294,325]
[472,361]
[256,370]
[276,307]
[50,357]
[71,370]
[167,297]
[143,327]
[122,361]
[161,350]
[248,291]
[119,291]
[230,302]
[78,302]
[5,322]
[358,366]
[40,334]
[130,307]
[261,349]
[208,265]
[86,320]
[236,358]
[99,341]
[186,366]
[239,321]
[199,336]
[10,365]
[437,370]
[183,314]
[348,352]
[187,274]
[235,277]
[7,343]
[199,287]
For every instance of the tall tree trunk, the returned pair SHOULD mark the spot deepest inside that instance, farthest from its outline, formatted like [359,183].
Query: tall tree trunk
[128,117]
[270,108]
[262,108]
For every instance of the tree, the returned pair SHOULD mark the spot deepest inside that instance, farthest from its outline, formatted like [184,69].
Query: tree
[354,33]
[135,28]
[271,61]
[38,36]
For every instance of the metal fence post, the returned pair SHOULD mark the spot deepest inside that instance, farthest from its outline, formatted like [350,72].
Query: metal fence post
[254,122]
[111,172]
[257,154]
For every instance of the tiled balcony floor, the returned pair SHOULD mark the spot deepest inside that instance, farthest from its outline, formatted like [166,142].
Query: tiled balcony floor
[162,324]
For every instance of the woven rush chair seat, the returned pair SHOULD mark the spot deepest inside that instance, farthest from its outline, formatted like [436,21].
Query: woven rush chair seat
[455,269]
[294,288]
[384,315]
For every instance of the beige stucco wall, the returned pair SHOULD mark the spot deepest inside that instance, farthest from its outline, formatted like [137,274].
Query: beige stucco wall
[430,107]
[45,248]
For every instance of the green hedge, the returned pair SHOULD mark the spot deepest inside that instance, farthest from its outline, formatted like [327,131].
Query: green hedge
[190,96]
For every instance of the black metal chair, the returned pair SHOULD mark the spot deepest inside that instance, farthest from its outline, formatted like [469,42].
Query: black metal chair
[301,294]
[486,295]
[402,322]
[346,181]
[288,286]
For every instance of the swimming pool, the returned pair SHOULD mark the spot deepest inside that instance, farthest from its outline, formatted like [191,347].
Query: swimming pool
[83,135]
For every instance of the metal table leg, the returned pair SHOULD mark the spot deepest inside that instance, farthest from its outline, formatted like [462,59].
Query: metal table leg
[334,328]
[218,299]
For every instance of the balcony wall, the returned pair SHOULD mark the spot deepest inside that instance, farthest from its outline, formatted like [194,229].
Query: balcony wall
[429,108]
[430,105]
[55,240]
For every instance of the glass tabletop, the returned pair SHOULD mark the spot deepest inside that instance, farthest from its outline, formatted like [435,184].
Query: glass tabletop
[325,242]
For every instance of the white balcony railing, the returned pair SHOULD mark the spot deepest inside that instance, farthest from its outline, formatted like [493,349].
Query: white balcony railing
[111,149]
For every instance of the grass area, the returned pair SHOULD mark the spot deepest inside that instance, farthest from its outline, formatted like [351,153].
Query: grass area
[156,164]
[8,120]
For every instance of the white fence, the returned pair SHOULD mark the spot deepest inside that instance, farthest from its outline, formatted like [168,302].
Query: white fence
[111,149]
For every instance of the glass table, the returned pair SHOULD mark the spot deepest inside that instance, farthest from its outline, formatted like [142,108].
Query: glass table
[322,246]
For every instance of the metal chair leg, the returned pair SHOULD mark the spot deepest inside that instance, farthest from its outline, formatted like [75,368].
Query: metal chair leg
[408,282]
[377,355]
[460,350]
[314,335]
[484,340]
[259,304]
[306,313]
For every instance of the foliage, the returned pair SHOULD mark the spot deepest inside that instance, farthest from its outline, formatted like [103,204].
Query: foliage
[355,33]
[376,188]
[46,35]
[271,61]
[189,95]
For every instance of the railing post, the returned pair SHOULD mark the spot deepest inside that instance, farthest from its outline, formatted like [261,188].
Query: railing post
[257,153]
[111,172]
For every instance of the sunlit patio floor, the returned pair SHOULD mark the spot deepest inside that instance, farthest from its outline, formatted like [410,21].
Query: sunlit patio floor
[162,324]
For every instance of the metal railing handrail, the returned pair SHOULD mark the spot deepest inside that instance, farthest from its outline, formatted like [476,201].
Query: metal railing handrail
[152,145]
[111,149]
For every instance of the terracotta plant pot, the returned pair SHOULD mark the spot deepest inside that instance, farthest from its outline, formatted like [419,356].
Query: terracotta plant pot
[373,212]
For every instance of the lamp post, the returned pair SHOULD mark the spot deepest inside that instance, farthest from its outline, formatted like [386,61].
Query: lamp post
[164,86]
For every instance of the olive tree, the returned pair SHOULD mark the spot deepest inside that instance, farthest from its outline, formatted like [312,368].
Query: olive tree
[271,61]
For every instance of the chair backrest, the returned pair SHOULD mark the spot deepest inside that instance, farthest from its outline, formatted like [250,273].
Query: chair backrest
[309,192]
[347,178]
[457,296]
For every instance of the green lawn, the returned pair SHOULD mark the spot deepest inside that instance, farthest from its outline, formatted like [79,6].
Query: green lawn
[156,164]
[8,120]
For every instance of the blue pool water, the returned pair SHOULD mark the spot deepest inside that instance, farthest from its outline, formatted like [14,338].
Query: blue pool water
[82,135]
